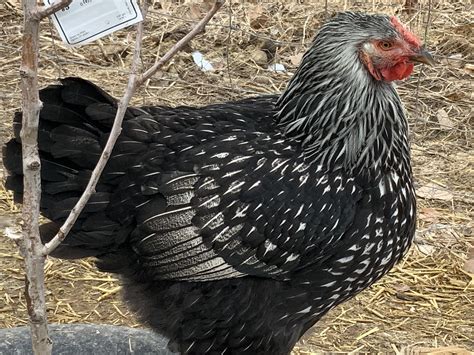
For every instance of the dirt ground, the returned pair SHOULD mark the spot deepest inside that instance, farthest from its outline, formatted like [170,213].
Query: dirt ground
[427,300]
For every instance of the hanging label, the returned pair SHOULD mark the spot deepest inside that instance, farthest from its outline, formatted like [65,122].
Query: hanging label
[87,20]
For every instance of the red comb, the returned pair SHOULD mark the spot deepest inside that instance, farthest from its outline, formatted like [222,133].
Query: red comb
[405,32]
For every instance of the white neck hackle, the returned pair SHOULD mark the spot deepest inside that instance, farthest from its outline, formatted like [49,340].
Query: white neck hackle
[339,112]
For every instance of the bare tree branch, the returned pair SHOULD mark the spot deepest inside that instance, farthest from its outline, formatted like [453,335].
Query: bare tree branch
[30,245]
[181,43]
[114,134]
[134,82]
[45,11]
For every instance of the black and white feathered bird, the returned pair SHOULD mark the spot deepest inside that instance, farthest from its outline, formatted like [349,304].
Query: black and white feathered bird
[235,227]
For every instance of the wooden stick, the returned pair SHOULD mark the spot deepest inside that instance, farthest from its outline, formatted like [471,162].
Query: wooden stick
[30,245]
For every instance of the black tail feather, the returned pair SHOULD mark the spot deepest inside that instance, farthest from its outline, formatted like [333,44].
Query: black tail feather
[74,124]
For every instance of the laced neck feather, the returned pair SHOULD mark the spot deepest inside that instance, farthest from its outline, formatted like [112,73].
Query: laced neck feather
[342,116]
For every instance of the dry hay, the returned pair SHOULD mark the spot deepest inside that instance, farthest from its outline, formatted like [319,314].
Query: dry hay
[426,301]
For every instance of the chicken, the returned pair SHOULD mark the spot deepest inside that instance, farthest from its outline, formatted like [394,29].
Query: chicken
[235,227]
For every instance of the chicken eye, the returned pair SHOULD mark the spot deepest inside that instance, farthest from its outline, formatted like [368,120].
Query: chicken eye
[385,45]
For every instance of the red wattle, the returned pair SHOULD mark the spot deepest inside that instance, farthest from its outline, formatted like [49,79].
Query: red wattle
[400,71]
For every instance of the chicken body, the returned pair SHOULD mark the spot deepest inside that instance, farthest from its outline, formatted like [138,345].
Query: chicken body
[236,226]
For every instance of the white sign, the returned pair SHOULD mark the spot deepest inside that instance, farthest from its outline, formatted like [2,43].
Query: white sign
[87,20]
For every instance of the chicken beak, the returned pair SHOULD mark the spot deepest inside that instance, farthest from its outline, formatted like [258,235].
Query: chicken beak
[423,56]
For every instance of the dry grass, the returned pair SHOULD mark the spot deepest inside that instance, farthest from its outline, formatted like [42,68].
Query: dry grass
[428,300]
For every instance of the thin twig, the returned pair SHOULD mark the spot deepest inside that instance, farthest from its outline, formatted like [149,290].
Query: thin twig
[134,82]
[31,246]
[228,42]
[421,72]
[45,11]
[181,43]
[114,134]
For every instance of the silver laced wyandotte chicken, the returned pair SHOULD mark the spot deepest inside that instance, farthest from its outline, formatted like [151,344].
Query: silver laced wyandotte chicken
[235,227]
